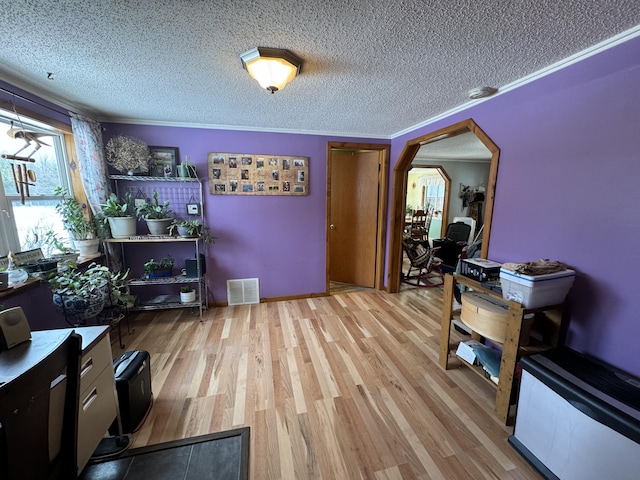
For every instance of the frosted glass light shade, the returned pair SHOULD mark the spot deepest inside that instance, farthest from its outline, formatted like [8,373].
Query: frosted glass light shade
[273,68]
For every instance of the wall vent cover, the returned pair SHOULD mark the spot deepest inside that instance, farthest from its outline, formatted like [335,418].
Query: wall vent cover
[243,291]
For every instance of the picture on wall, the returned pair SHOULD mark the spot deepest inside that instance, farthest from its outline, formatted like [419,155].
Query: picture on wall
[164,161]
[254,174]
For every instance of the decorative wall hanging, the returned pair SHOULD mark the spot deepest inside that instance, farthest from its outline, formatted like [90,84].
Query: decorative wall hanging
[164,161]
[251,174]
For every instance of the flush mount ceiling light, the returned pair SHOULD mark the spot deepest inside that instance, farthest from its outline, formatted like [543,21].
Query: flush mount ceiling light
[481,92]
[273,68]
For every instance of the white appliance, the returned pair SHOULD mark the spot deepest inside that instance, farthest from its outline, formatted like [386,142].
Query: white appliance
[577,418]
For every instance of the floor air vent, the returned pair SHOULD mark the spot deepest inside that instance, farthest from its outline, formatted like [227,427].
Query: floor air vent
[243,291]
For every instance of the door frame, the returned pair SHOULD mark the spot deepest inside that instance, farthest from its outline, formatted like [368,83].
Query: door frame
[383,181]
[399,192]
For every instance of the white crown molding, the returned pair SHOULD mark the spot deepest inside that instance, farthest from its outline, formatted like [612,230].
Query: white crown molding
[564,63]
[241,128]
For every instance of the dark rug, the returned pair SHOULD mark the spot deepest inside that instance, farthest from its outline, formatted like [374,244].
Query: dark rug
[219,456]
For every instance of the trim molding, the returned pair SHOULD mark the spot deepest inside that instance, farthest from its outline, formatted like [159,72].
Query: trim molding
[566,62]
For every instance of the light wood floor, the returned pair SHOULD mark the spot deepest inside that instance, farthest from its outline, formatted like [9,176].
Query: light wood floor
[339,387]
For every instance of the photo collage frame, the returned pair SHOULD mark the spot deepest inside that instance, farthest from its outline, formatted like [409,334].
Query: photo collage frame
[252,174]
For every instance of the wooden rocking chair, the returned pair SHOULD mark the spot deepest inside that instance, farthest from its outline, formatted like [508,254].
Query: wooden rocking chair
[423,262]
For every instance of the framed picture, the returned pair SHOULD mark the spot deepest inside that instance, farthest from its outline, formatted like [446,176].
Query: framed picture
[255,174]
[164,161]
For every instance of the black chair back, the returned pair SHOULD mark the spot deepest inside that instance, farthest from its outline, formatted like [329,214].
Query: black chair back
[25,417]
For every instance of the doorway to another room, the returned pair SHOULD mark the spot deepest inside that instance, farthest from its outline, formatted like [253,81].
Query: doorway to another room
[437,143]
[356,215]
[428,189]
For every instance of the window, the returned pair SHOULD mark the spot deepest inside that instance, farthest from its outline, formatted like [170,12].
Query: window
[24,221]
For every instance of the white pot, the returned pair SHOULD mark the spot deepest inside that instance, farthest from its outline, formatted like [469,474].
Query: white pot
[122,227]
[188,297]
[159,226]
[87,248]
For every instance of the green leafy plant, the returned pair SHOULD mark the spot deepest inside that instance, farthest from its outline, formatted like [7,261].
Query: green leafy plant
[408,209]
[77,224]
[51,241]
[154,210]
[81,283]
[115,207]
[186,289]
[192,228]
[153,266]
[120,293]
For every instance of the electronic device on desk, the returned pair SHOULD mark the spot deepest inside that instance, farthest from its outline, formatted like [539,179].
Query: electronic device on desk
[14,328]
[480,269]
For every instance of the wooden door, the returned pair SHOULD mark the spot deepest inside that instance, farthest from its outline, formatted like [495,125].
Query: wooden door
[353,216]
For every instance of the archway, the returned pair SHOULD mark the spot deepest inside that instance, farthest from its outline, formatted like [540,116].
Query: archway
[399,189]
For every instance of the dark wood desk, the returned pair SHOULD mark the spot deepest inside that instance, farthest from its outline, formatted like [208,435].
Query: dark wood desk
[21,358]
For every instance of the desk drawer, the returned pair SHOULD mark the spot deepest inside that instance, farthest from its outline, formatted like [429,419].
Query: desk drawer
[96,413]
[94,361]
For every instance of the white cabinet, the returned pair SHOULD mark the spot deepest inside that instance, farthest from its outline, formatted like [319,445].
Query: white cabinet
[97,407]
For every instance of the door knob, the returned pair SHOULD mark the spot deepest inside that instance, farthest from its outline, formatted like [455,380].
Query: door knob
[332,226]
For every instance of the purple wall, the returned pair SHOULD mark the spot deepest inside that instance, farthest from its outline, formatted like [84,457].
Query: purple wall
[278,239]
[32,103]
[570,146]
[566,190]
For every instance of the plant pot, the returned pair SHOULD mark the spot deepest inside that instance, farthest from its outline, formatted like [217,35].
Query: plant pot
[188,297]
[187,171]
[30,268]
[158,226]
[160,273]
[76,308]
[47,264]
[65,258]
[184,233]
[122,227]
[88,248]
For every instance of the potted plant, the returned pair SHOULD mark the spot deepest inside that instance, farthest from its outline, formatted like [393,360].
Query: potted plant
[163,268]
[80,295]
[82,230]
[119,214]
[65,256]
[191,229]
[156,214]
[128,154]
[185,170]
[187,294]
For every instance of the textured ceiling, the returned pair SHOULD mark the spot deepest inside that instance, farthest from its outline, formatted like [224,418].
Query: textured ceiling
[465,147]
[371,67]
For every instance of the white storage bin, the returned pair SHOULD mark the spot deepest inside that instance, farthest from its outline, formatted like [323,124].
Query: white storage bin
[535,291]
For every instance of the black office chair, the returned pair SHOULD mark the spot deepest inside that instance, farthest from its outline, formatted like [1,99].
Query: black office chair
[25,412]
[451,245]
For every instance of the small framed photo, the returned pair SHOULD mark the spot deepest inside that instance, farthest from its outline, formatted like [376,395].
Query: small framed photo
[164,161]
[193,208]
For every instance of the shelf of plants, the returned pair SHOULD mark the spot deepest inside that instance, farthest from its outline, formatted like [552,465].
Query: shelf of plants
[182,192]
